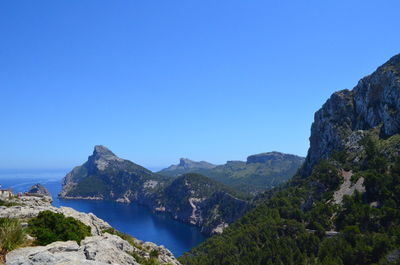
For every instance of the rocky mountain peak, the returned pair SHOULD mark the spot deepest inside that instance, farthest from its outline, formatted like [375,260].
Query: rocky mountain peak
[185,162]
[102,156]
[373,103]
[102,151]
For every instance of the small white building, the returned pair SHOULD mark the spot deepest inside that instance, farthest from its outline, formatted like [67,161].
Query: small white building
[5,194]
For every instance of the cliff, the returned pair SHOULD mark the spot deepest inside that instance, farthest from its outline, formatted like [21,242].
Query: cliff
[200,201]
[347,114]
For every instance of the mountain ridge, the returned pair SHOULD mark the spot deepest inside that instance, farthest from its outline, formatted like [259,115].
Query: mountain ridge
[258,173]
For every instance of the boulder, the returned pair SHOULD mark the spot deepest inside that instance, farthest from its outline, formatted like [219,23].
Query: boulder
[39,189]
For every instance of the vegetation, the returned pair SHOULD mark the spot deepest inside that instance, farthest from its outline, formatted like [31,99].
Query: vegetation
[49,227]
[90,186]
[202,187]
[144,261]
[12,235]
[289,225]
[220,203]
[248,178]
[8,204]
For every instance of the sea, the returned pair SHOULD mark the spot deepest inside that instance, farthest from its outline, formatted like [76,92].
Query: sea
[133,219]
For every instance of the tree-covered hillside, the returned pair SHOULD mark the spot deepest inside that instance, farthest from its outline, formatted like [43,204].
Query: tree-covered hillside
[344,205]
[297,223]
[203,202]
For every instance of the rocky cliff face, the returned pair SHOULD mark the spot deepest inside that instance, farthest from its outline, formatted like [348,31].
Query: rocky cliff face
[200,201]
[343,119]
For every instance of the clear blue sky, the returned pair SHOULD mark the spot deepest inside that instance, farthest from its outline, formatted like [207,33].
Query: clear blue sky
[159,80]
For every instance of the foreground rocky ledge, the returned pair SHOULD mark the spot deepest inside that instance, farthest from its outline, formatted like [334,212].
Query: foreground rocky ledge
[31,206]
[100,248]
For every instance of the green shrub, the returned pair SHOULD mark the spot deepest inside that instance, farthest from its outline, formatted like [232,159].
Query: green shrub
[8,204]
[154,253]
[12,234]
[49,227]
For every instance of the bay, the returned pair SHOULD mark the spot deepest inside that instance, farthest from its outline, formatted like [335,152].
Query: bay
[133,219]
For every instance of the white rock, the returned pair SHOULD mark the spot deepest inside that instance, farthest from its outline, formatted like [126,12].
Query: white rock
[95,250]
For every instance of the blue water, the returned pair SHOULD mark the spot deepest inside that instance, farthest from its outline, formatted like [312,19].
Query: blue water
[132,219]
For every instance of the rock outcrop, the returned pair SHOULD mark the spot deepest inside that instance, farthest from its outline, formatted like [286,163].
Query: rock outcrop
[373,103]
[94,250]
[31,206]
[98,249]
[347,187]
[38,189]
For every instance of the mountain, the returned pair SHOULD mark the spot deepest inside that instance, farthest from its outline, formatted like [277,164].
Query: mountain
[107,177]
[185,166]
[259,173]
[190,198]
[343,207]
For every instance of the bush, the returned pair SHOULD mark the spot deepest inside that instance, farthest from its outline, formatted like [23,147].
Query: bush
[154,253]
[8,204]
[12,234]
[49,227]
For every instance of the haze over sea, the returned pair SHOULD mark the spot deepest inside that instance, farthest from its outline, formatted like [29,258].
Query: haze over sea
[132,219]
